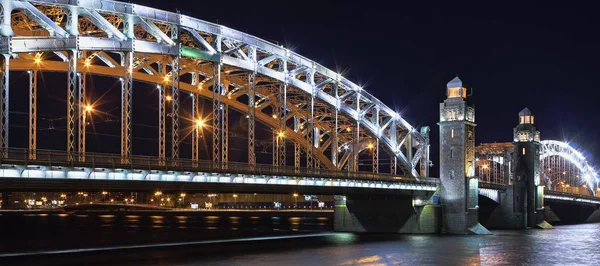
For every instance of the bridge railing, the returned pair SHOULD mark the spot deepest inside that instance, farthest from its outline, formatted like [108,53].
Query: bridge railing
[22,156]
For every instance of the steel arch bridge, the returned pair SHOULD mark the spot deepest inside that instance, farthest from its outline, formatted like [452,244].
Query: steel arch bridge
[330,120]
[562,167]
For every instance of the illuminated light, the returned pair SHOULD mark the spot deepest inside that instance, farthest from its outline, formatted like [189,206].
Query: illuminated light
[235,195]
[166,78]
[274,116]
[157,193]
[112,200]
[87,63]
[63,196]
[38,60]
[169,98]
[168,199]
[348,129]
[295,194]
[485,166]
[281,134]
[370,146]
[182,195]
[564,173]
[89,108]
[199,123]
[104,193]
[157,86]
[191,94]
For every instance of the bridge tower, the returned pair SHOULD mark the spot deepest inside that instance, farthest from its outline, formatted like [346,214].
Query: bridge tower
[459,190]
[528,190]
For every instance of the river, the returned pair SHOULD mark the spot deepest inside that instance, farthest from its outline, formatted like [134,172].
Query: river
[273,239]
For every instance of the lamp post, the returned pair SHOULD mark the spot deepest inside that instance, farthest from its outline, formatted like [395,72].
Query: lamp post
[158,198]
[183,199]
[295,200]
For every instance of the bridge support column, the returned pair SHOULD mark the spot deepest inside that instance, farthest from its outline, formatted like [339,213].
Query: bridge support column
[279,159]
[198,123]
[387,214]
[71,102]
[251,114]
[162,132]
[310,133]
[82,113]
[175,108]
[32,155]
[126,100]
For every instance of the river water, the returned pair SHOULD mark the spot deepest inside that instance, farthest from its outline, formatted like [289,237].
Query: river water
[239,239]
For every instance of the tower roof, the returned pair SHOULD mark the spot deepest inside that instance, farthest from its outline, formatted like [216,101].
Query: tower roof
[455,83]
[525,111]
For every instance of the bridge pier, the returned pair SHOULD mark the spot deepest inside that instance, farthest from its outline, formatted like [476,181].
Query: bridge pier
[459,185]
[367,213]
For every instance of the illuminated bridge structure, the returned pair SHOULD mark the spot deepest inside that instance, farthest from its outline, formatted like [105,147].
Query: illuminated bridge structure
[327,124]
[565,172]
[326,121]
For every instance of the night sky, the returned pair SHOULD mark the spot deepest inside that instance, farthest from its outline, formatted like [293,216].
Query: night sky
[544,57]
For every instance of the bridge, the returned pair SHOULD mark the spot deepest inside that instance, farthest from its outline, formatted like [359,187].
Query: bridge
[315,127]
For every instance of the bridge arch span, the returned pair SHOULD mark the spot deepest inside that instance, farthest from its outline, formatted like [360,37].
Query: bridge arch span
[554,155]
[135,42]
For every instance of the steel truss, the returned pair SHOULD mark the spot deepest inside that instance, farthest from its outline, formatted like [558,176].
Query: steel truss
[562,168]
[323,101]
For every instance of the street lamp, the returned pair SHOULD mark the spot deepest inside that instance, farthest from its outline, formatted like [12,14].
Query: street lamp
[296,200]
[157,194]
[199,123]
[183,199]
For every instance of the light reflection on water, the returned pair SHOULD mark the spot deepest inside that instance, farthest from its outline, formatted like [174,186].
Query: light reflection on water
[564,245]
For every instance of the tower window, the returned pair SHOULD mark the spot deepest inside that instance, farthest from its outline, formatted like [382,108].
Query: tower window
[523,151]
[452,133]
[451,152]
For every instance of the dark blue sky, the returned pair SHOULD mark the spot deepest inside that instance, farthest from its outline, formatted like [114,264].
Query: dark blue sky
[542,56]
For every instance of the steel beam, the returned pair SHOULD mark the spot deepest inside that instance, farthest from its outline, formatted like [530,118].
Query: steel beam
[216,114]
[310,132]
[376,156]
[280,135]
[126,101]
[175,107]
[175,79]
[251,117]
[225,134]
[162,127]
[81,114]
[32,114]
[71,104]
[196,122]
[393,164]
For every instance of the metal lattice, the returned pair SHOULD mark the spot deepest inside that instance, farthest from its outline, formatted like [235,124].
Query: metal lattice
[323,101]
